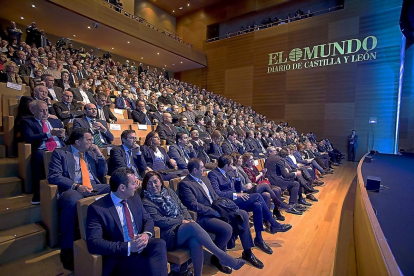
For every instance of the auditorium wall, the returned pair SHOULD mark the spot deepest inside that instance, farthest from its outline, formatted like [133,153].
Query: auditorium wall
[154,15]
[333,94]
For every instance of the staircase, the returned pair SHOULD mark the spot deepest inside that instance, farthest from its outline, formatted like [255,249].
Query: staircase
[23,248]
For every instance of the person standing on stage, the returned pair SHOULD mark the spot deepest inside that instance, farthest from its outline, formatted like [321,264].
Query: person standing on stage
[352,145]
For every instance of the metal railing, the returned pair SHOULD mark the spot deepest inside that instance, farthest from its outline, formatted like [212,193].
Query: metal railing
[143,21]
[273,24]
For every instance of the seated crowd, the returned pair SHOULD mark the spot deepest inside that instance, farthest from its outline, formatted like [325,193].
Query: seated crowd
[195,131]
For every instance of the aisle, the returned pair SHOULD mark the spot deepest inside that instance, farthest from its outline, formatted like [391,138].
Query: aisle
[309,248]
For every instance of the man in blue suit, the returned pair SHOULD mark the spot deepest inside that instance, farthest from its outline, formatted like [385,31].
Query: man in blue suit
[197,194]
[182,152]
[352,145]
[224,186]
[119,229]
[229,145]
[127,155]
[76,170]
[124,102]
[101,134]
[44,134]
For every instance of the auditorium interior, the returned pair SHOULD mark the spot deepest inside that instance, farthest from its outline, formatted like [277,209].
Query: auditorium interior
[302,108]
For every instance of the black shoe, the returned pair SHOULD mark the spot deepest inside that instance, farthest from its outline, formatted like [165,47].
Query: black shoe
[251,258]
[66,257]
[277,214]
[36,200]
[264,247]
[311,191]
[304,202]
[225,269]
[318,183]
[294,211]
[312,198]
[280,228]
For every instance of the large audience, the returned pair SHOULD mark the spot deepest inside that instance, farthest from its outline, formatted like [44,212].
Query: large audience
[212,143]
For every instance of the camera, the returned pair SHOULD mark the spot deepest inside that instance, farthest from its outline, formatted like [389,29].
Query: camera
[60,43]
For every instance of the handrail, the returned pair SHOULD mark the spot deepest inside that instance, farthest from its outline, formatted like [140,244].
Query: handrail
[273,24]
[142,20]
[388,257]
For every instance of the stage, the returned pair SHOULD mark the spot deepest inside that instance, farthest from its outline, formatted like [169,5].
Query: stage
[394,204]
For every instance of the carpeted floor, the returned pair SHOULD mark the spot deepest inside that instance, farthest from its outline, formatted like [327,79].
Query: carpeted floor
[395,206]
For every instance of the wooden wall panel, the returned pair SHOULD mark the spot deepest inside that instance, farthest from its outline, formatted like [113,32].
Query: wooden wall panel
[328,100]
[239,84]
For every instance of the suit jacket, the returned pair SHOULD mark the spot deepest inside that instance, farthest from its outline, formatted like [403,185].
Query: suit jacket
[194,197]
[156,116]
[139,116]
[200,152]
[62,168]
[190,115]
[168,226]
[58,92]
[149,156]
[119,103]
[78,96]
[251,146]
[183,129]
[32,132]
[104,234]
[167,133]
[265,143]
[75,111]
[224,186]
[117,160]
[354,140]
[229,148]
[83,122]
[59,83]
[176,153]
[215,151]
[25,70]
[275,166]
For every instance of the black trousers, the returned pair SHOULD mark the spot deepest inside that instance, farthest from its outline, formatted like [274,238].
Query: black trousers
[351,152]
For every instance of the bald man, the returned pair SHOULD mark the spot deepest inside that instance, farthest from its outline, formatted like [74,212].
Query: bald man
[166,130]
[66,110]
[102,136]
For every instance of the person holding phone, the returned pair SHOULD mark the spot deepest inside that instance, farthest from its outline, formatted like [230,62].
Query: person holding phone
[77,170]
[352,145]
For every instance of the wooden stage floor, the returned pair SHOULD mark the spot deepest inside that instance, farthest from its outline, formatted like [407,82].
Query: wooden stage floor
[307,249]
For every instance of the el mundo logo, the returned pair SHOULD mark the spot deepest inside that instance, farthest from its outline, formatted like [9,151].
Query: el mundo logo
[333,53]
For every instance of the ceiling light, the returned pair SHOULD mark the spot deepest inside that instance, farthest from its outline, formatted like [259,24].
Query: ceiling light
[89,27]
[113,48]
[173,10]
[142,58]
[165,65]
[181,62]
[188,4]
[22,18]
[158,53]
[128,42]
[33,6]
[173,63]
[181,8]
[74,35]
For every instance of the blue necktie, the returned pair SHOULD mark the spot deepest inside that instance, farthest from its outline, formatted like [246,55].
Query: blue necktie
[147,121]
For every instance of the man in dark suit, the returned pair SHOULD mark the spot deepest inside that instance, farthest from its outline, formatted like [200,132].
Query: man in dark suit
[189,114]
[224,186]
[20,59]
[124,102]
[166,130]
[127,244]
[200,149]
[104,113]
[29,68]
[102,136]
[67,111]
[182,125]
[197,194]
[229,145]
[251,145]
[44,134]
[127,155]
[156,117]
[199,125]
[352,145]
[73,74]
[81,94]
[182,151]
[54,92]
[140,114]
[77,170]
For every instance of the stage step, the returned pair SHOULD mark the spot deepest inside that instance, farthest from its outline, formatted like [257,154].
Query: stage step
[9,167]
[45,262]
[10,186]
[20,241]
[17,211]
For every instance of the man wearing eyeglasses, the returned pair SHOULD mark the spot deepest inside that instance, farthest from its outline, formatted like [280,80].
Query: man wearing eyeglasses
[127,155]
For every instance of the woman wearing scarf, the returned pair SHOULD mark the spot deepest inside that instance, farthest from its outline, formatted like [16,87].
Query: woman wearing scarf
[176,225]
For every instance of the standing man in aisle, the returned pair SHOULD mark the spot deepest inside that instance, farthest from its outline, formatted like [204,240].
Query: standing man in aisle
[352,145]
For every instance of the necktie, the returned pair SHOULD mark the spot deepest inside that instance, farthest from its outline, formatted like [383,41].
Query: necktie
[128,219]
[169,127]
[86,181]
[96,136]
[205,190]
[147,121]
[219,150]
[50,143]
[186,154]
[127,103]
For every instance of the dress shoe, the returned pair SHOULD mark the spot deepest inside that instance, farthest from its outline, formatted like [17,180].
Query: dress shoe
[277,214]
[311,191]
[312,198]
[264,247]
[301,208]
[294,211]
[66,257]
[251,258]
[36,199]
[280,228]
[329,172]
[225,269]
[304,202]
[318,182]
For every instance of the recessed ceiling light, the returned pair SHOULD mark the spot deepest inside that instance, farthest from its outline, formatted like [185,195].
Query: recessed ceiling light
[22,18]
[173,10]
[113,48]
[181,62]
[89,27]
[128,42]
[74,35]
[181,8]
[188,4]
[33,6]
[173,63]
[142,58]
[158,53]
[165,65]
